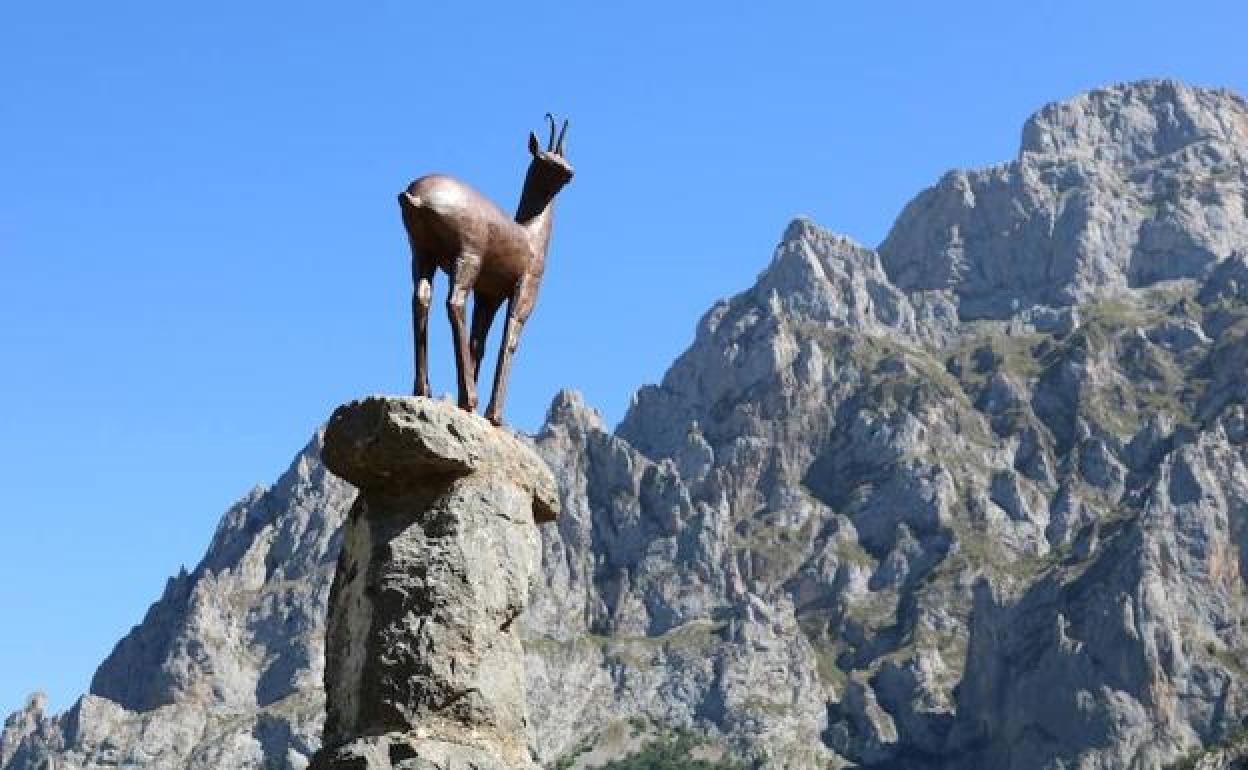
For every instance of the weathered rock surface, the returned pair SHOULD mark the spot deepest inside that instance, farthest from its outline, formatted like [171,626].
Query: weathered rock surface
[975,499]
[423,667]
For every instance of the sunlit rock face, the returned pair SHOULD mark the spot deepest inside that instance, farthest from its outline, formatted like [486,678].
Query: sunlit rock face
[974,499]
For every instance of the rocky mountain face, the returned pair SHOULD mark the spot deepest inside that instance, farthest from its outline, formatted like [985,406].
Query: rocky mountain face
[975,499]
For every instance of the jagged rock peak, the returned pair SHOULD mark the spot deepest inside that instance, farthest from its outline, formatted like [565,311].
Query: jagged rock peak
[23,726]
[1139,120]
[806,255]
[816,279]
[805,229]
[569,409]
[822,276]
[1114,190]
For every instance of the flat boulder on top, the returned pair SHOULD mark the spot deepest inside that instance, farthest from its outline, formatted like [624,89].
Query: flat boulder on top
[386,444]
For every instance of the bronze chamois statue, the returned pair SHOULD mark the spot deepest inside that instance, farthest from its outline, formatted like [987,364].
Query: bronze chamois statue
[452,226]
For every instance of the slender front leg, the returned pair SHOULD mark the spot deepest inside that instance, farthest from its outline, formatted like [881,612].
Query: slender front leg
[506,348]
[423,269]
[483,311]
[466,269]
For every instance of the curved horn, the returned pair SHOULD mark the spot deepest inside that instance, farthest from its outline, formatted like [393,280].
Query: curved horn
[550,144]
[562,132]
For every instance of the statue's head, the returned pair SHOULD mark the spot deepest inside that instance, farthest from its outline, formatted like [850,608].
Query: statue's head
[550,163]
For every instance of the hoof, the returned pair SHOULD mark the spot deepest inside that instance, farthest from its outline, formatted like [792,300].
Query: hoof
[421,390]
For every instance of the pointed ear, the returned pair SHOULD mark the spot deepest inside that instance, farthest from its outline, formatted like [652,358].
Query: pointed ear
[534,147]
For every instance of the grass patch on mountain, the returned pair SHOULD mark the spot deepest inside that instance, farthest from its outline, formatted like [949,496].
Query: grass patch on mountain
[758,704]
[1112,375]
[973,552]
[830,673]
[644,652]
[994,349]
[776,549]
[675,751]
[882,357]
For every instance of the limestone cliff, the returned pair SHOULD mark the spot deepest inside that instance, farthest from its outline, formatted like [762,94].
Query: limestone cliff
[975,499]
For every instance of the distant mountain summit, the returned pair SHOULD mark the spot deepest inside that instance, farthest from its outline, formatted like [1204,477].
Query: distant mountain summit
[1118,188]
[977,498]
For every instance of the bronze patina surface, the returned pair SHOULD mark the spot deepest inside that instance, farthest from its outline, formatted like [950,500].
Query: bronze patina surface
[482,250]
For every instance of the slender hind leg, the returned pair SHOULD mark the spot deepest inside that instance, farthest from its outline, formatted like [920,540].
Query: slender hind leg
[423,269]
[519,307]
[466,269]
[506,349]
[483,310]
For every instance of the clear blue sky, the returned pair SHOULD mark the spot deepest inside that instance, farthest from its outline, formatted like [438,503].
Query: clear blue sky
[202,255]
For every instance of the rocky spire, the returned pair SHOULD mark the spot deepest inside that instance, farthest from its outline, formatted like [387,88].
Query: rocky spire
[423,666]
